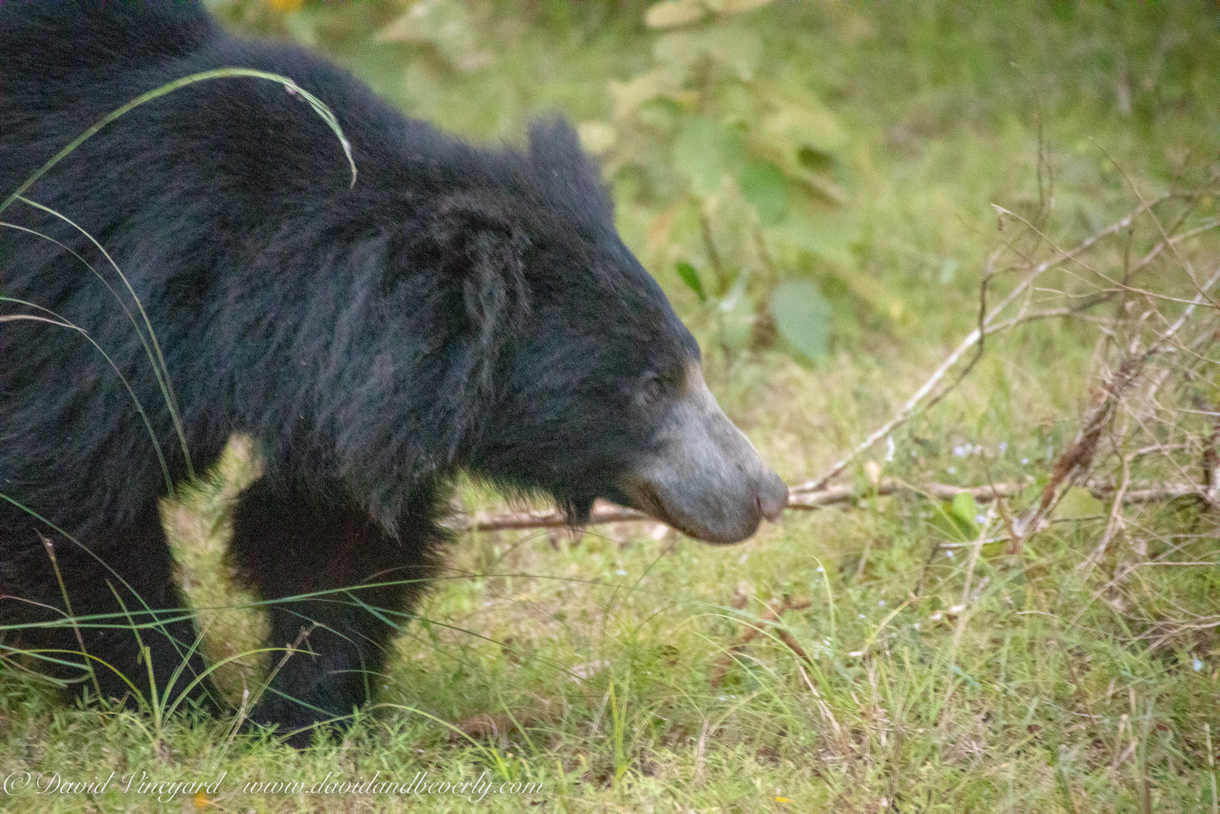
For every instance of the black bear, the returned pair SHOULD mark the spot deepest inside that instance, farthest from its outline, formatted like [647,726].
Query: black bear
[453,308]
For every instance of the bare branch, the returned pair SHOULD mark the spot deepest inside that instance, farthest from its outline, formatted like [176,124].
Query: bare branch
[808,500]
[973,338]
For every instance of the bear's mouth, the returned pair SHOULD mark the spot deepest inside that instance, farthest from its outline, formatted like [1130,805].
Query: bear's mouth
[725,523]
[577,509]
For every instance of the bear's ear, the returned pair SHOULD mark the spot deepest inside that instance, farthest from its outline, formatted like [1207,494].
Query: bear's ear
[475,252]
[567,173]
[554,143]
[480,252]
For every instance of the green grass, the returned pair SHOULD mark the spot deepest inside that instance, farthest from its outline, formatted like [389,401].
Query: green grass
[937,680]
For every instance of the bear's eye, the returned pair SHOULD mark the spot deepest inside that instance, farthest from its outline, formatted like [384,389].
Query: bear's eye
[651,392]
[656,385]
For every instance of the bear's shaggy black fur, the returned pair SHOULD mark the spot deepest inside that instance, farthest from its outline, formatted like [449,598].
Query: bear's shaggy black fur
[454,308]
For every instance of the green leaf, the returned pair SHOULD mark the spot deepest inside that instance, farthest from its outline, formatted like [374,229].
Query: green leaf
[805,125]
[732,227]
[948,270]
[970,680]
[805,139]
[449,26]
[691,277]
[819,230]
[764,186]
[674,13]
[705,151]
[965,510]
[736,48]
[737,319]
[802,317]
[1078,502]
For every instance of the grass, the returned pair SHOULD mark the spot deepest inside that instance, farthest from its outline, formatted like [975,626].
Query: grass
[943,673]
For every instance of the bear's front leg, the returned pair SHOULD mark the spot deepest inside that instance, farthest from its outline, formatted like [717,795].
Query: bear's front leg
[117,581]
[340,585]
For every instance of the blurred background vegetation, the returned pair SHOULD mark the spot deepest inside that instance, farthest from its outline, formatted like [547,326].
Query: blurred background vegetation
[822,188]
[810,176]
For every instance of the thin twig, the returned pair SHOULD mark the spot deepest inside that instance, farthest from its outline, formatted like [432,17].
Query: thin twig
[1073,465]
[832,496]
[973,338]
[1117,521]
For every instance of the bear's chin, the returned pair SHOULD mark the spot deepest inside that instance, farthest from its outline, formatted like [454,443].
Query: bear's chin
[577,509]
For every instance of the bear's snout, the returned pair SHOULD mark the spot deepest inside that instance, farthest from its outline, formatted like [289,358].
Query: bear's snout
[772,497]
[706,479]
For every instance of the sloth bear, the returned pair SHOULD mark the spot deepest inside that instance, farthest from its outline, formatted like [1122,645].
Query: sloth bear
[453,308]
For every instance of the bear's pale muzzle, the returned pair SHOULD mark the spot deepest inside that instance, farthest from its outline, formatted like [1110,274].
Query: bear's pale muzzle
[706,479]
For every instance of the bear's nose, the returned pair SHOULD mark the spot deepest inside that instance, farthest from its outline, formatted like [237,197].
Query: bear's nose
[772,497]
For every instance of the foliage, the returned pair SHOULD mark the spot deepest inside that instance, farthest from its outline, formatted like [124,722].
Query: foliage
[758,162]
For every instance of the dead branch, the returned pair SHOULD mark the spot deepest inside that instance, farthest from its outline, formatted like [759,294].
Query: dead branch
[550,518]
[840,495]
[987,324]
[829,495]
[1073,465]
